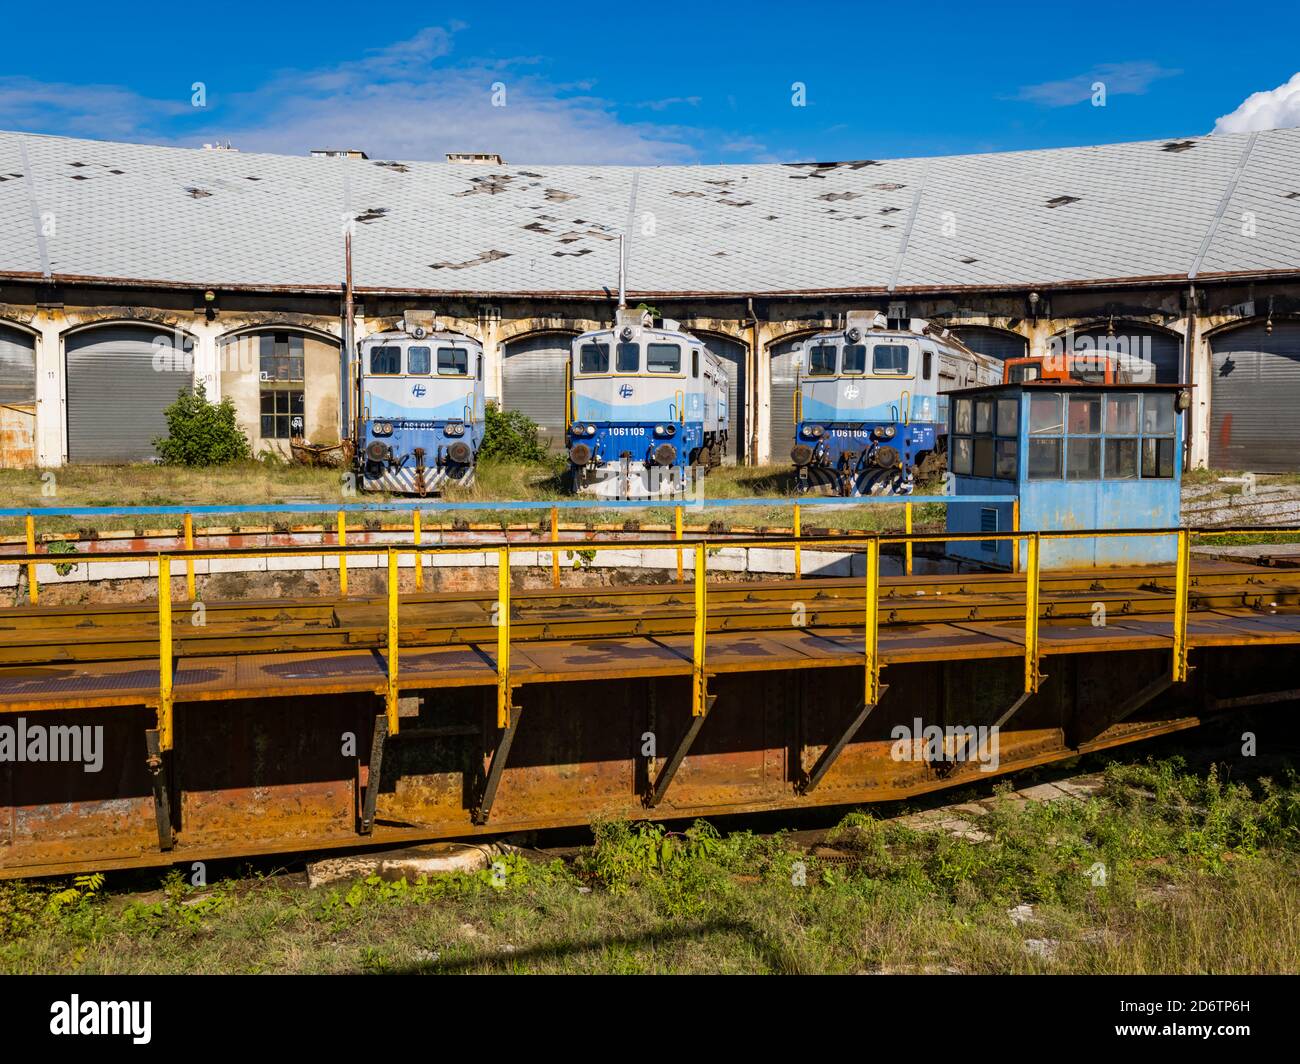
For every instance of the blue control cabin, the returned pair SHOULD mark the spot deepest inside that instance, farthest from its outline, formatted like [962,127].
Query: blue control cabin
[1078,456]
[420,420]
[646,404]
[871,405]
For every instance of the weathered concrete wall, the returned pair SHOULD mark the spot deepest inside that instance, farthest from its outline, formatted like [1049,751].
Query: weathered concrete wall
[760,324]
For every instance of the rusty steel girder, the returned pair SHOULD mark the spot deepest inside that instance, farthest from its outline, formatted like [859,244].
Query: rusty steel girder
[282,775]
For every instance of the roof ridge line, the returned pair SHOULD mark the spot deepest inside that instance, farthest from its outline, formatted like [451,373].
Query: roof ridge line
[907,232]
[1228,192]
[29,179]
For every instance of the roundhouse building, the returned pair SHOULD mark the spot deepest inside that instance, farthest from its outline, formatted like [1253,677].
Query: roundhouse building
[128,271]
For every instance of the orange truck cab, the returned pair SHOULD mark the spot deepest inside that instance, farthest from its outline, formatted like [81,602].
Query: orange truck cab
[1065,369]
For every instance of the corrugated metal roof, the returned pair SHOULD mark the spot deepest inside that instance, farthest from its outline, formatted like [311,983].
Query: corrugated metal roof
[178,216]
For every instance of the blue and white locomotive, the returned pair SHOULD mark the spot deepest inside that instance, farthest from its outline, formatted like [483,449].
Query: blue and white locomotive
[646,403]
[871,410]
[420,418]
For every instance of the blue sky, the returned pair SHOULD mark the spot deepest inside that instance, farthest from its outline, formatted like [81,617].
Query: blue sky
[646,83]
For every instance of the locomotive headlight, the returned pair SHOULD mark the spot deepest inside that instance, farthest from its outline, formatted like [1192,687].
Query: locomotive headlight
[665,430]
[591,430]
[455,428]
[383,428]
[890,431]
[814,432]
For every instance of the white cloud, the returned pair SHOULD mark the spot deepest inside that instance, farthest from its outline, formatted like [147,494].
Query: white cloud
[409,100]
[1273,109]
[107,111]
[1131,78]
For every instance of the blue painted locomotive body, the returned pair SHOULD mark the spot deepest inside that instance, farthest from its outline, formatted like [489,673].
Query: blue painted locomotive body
[871,412]
[420,420]
[646,405]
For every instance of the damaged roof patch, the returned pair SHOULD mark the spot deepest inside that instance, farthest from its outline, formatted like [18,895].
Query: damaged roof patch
[1061,201]
[478,260]
[1178,145]
[371,214]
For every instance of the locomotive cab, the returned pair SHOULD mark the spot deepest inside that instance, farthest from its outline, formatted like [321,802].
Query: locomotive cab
[867,408]
[647,403]
[421,411]
[871,406]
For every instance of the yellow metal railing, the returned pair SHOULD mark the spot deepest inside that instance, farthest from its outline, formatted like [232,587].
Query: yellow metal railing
[870,544]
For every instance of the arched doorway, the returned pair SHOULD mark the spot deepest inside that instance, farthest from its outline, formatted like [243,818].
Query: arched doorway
[1254,395]
[996,343]
[17,398]
[1163,350]
[532,382]
[284,382]
[733,354]
[786,363]
[119,380]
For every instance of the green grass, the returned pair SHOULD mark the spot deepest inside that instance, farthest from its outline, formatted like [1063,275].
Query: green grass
[252,483]
[1201,876]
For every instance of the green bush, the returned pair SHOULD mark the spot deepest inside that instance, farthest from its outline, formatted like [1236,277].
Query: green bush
[510,435]
[201,433]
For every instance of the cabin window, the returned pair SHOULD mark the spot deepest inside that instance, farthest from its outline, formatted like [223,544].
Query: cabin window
[927,365]
[385,361]
[280,356]
[889,358]
[417,361]
[1082,458]
[1006,459]
[1008,417]
[961,421]
[593,358]
[1045,459]
[1085,415]
[453,362]
[1121,415]
[1158,457]
[855,359]
[961,455]
[628,359]
[282,413]
[983,415]
[695,363]
[1121,459]
[663,358]
[983,465]
[821,361]
[1157,414]
[1045,414]
[1120,436]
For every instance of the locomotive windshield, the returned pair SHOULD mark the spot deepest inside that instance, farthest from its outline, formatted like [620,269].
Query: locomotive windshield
[663,358]
[821,361]
[385,361]
[889,358]
[855,358]
[453,362]
[593,358]
[628,359]
[417,360]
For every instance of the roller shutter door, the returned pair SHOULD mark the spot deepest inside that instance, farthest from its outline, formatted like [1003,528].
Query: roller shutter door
[992,342]
[17,399]
[786,357]
[733,356]
[532,381]
[17,367]
[1163,349]
[115,395]
[1255,399]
